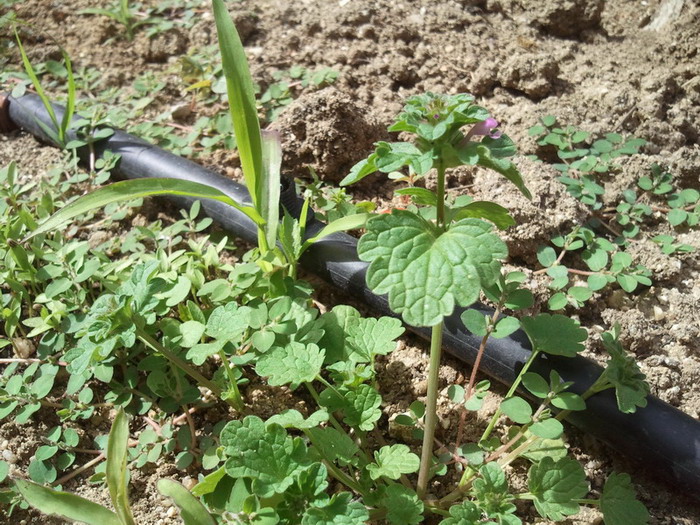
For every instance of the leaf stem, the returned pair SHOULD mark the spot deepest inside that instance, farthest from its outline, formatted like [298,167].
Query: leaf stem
[178,362]
[472,378]
[335,471]
[515,385]
[430,409]
[236,393]
[79,470]
[441,194]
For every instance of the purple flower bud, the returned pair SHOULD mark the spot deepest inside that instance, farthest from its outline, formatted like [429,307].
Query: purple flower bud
[487,127]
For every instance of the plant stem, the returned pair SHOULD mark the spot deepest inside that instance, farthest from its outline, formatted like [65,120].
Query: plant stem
[335,471]
[181,364]
[472,379]
[317,398]
[430,409]
[515,385]
[440,195]
[236,397]
[79,470]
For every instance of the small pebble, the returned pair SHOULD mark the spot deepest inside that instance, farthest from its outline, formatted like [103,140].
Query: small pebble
[181,112]
[420,388]
[9,456]
[24,348]
[189,482]
[659,314]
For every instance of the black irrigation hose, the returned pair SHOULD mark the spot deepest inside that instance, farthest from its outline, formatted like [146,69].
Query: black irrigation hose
[660,438]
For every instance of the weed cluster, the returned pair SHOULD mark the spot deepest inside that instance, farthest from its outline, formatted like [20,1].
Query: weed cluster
[158,325]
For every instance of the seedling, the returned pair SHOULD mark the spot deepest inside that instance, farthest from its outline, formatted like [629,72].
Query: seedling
[583,162]
[60,129]
[73,507]
[121,12]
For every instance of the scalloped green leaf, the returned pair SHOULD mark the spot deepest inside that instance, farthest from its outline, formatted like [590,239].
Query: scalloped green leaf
[369,337]
[334,445]
[466,513]
[341,510]
[360,405]
[554,334]
[623,374]
[264,453]
[392,461]
[291,365]
[294,419]
[619,502]
[555,484]
[403,506]
[426,273]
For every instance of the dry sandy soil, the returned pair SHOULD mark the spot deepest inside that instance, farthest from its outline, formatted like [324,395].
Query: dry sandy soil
[624,66]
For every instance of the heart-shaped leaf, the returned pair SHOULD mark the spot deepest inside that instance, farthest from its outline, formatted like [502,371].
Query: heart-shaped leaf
[427,272]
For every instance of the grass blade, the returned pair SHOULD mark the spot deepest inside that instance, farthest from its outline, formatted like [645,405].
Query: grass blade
[70,103]
[241,99]
[270,197]
[117,482]
[133,189]
[192,511]
[349,222]
[53,134]
[65,505]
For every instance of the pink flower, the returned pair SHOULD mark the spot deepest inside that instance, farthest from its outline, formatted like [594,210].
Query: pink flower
[487,127]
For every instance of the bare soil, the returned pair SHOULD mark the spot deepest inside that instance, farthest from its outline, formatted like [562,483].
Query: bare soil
[623,66]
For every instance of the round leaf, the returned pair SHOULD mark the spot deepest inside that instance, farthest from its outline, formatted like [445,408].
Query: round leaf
[536,384]
[569,401]
[517,409]
[548,429]
[546,256]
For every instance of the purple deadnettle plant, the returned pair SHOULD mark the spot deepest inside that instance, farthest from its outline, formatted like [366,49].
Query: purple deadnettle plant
[427,267]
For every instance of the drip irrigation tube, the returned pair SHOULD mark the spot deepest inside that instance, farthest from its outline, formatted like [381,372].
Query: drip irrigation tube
[659,437]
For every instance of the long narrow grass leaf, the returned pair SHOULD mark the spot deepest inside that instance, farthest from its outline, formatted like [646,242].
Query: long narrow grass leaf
[241,99]
[270,198]
[303,216]
[70,103]
[68,506]
[39,90]
[50,132]
[192,511]
[137,188]
[117,482]
[349,222]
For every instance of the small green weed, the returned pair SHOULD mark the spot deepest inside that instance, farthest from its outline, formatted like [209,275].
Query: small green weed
[602,240]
